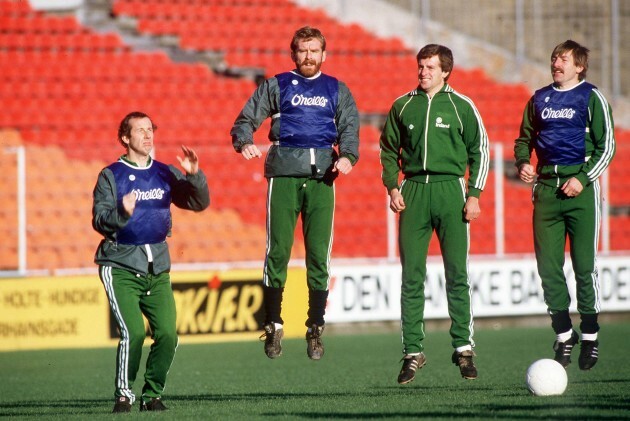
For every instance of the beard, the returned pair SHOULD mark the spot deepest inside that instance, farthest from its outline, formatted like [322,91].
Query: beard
[311,70]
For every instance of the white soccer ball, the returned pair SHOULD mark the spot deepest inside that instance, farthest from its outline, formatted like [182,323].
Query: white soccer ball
[546,377]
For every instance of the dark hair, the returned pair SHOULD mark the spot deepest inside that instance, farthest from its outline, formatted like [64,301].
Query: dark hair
[124,130]
[444,54]
[579,52]
[306,33]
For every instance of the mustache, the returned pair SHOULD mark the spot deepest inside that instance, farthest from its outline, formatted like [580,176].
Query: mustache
[308,62]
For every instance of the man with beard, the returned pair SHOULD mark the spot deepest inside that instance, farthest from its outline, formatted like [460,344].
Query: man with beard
[312,115]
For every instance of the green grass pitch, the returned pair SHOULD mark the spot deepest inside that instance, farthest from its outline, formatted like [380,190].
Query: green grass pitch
[356,379]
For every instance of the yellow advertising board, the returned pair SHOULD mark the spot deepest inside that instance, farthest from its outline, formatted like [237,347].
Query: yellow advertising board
[52,313]
[73,312]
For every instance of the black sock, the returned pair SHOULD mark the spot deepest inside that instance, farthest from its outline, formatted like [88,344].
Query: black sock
[316,307]
[272,299]
[589,323]
[561,322]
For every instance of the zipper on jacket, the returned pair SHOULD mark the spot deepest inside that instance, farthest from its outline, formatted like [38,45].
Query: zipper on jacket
[314,169]
[149,253]
[426,137]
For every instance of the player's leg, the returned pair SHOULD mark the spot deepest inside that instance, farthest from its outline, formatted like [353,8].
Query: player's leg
[317,223]
[124,289]
[158,305]
[549,244]
[453,232]
[454,237]
[414,235]
[415,231]
[284,201]
[583,222]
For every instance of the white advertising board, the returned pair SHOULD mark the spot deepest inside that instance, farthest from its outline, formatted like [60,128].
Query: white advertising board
[500,287]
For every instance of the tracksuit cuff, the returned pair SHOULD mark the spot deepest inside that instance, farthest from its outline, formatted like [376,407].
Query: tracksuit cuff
[520,162]
[350,157]
[474,192]
[583,178]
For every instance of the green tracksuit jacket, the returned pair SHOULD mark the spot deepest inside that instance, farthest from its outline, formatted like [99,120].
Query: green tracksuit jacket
[432,141]
[435,140]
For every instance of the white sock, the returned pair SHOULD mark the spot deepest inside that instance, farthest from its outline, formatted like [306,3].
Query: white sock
[463,348]
[563,337]
[589,336]
[278,326]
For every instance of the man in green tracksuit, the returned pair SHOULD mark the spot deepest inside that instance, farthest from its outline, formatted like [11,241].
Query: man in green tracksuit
[311,112]
[433,134]
[570,126]
[131,210]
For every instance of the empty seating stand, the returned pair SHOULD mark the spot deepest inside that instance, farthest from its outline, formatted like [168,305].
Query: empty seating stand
[69,87]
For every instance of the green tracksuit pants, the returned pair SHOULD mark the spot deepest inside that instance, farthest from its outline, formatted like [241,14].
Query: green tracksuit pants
[314,201]
[435,207]
[557,216]
[132,295]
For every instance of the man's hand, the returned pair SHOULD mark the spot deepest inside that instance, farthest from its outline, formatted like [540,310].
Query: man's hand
[526,173]
[471,208]
[190,162]
[396,201]
[250,151]
[343,165]
[572,187]
[129,202]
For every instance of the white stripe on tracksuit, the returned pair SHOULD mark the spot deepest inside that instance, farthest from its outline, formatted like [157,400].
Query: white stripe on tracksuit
[122,380]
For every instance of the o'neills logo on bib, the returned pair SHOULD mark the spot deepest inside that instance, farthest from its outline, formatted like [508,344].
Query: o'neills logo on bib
[567,113]
[153,194]
[318,101]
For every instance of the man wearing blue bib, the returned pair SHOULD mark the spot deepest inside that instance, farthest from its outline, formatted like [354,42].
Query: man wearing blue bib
[132,211]
[312,115]
[570,126]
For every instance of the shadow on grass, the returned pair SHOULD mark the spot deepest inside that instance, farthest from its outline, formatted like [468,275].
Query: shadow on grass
[602,381]
[56,407]
[449,401]
[547,408]
[447,414]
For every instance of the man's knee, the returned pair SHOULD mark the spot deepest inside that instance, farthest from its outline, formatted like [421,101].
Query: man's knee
[166,336]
